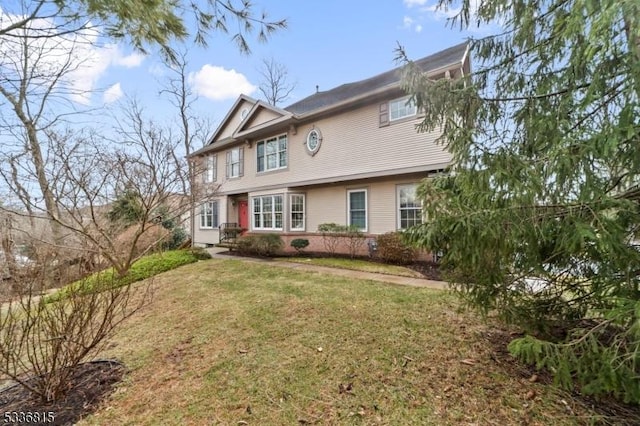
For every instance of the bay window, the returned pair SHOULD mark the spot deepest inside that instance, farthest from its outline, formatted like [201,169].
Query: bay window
[268,212]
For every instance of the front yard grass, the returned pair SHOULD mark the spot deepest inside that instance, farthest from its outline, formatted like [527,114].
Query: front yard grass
[355,265]
[232,342]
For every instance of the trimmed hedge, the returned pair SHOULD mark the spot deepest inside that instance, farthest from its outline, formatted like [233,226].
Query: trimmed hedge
[300,244]
[261,244]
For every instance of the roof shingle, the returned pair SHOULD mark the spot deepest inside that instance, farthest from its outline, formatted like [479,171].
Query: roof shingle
[343,92]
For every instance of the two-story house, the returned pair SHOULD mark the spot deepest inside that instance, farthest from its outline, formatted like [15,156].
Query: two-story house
[350,155]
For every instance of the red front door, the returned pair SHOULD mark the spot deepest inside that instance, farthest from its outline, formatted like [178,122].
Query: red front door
[243,214]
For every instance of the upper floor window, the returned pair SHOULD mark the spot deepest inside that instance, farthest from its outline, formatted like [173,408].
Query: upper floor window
[235,162]
[272,154]
[210,169]
[401,108]
[409,206]
[209,215]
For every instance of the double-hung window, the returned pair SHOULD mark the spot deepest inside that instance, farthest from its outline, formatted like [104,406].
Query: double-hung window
[209,215]
[235,160]
[409,206]
[267,212]
[357,208]
[401,108]
[210,169]
[271,154]
[296,205]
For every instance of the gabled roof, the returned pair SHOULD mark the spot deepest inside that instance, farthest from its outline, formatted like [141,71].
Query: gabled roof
[442,59]
[231,112]
[255,110]
[322,102]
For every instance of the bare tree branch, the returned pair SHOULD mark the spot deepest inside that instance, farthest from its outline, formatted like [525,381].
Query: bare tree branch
[275,85]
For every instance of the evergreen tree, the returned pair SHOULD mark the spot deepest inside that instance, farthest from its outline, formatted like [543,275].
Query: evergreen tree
[539,216]
[127,209]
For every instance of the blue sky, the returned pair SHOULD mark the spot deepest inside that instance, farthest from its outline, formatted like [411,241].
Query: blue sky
[327,43]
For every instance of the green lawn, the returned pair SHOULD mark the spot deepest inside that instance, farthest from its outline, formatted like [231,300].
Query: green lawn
[355,264]
[230,342]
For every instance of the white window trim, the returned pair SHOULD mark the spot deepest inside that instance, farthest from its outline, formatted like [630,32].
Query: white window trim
[366,207]
[213,205]
[230,163]
[404,99]
[211,169]
[273,212]
[399,209]
[278,154]
[304,212]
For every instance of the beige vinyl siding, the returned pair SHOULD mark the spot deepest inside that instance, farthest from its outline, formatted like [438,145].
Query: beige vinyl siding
[231,212]
[326,205]
[261,116]
[203,237]
[352,143]
[329,204]
[382,214]
[234,121]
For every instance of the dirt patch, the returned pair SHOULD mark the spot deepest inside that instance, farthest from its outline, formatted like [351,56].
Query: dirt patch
[90,383]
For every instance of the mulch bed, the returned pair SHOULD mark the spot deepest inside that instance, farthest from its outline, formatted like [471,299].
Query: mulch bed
[613,412]
[90,384]
[429,270]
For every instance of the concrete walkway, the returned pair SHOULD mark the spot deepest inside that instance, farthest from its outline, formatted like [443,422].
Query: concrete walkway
[222,253]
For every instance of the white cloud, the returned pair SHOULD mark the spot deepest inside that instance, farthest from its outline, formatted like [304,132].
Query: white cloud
[218,84]
[157,70]
[430,8]
[79,58]
[412,3]
[447,13]
[95,64]
[128,61]
[408,23]
[112,94]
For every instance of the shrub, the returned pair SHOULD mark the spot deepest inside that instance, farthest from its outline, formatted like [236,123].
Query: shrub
[300,244]
[393,249]
[355,240]
[177,237]
[261,245]
[43,342]
[331,235]
[199,253]
[145,267]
